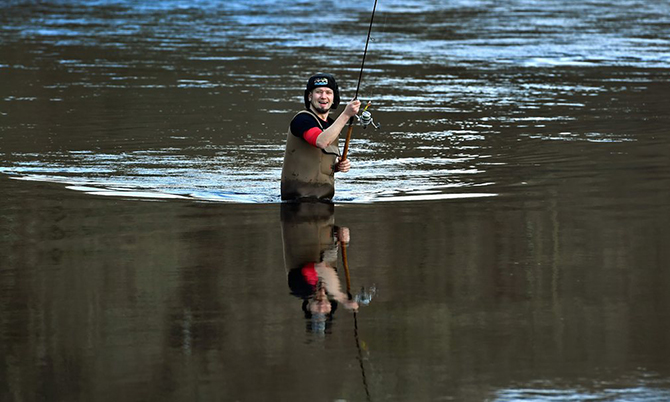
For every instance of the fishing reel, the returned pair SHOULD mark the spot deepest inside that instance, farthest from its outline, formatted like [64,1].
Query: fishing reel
[365,119]
[365,296]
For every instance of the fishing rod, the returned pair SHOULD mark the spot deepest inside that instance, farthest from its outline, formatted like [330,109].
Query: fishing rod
[366,117]
[345,263]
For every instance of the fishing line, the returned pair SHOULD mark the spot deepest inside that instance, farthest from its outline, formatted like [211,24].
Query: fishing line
[365,52]
[359,357]
[358,86]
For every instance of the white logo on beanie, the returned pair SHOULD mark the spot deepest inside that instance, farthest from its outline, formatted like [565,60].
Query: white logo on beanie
[321,81]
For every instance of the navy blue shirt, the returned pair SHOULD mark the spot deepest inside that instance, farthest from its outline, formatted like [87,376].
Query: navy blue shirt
[303,122]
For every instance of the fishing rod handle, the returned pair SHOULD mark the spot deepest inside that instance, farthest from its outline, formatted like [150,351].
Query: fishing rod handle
[346,142]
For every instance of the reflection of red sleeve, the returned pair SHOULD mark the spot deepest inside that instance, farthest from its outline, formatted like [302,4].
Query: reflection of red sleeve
[311,134]
[309,273]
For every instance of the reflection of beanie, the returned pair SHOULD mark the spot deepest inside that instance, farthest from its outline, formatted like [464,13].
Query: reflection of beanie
[323,80]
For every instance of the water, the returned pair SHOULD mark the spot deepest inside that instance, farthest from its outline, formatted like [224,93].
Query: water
[512,211]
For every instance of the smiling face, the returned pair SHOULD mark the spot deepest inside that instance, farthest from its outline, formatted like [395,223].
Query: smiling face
[321,100]
[320,304]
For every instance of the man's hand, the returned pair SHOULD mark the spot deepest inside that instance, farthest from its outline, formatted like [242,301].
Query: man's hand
[343,234]
[352,108]
[350,305]
[343,166]
[328,135]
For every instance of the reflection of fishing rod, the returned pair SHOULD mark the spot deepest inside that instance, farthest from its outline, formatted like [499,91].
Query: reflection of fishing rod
[345,263]
[358,87]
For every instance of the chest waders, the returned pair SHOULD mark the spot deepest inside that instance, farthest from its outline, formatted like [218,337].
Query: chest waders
[308,171]
[307,232]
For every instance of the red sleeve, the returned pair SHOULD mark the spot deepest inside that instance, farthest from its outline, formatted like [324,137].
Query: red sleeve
[309,273]
[311,134]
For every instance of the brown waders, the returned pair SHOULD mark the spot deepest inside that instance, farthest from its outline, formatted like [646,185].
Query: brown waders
[308,171]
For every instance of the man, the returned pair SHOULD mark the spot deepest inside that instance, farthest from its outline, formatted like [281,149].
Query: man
[311,250]
[312,154]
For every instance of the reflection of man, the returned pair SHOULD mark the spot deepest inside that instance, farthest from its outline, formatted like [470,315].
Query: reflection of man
[310,256]
[312,154]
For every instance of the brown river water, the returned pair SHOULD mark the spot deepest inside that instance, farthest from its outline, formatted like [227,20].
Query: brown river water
[509,222]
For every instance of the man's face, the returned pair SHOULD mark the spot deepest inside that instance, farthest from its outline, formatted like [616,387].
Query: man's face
[320,304]
[321,99]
